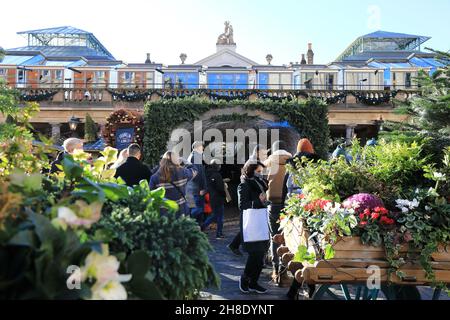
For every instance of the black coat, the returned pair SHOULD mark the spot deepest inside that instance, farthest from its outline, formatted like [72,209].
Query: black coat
[57,161]
[248,198]
[216,187]
[133,171]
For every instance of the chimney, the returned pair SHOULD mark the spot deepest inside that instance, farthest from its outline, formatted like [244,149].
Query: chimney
[310,54]
[147,61]
[303,59]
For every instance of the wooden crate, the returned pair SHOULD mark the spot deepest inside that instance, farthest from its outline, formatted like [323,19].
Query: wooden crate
[336,275]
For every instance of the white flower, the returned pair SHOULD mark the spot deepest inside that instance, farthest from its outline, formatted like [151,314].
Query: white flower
[406,205]
[328,206]
[439,176]
[414,204]
[105,269]
[67,215]
[428,208]
[85,215]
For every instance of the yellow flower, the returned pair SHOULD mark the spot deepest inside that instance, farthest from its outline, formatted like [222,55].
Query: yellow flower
[112,290]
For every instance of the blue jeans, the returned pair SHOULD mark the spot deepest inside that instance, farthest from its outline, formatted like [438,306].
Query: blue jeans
[217,215]
[197,211]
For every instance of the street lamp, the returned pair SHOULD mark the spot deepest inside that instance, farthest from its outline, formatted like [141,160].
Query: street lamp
[361,83]
[73,123]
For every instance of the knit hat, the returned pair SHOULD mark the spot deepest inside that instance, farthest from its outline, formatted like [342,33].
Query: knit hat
[304,145]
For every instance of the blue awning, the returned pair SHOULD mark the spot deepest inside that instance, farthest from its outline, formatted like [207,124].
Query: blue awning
[281,124]
[98,145]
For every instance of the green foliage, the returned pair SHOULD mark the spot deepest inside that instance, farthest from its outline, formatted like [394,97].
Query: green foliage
[34,259]
[303,255]
[431,109]
[309,117]
[16,148]
[385,170]
[433,142]
[90,129]
[429,113]
[179,265]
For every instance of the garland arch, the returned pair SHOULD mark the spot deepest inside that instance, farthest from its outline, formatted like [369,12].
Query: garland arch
[120,119]
[308,116]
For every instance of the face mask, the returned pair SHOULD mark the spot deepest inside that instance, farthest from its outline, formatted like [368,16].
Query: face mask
[258,175]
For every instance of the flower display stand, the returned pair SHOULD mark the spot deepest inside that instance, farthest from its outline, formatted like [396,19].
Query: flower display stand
[354,264]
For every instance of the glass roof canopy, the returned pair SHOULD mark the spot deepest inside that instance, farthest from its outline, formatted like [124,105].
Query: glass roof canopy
[65,37]
[382,41]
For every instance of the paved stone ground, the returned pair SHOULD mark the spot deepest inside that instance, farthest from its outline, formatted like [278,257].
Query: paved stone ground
[230,268]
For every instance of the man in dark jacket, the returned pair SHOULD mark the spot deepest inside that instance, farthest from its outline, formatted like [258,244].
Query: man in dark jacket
[217,196]
[133,171]
[197,187]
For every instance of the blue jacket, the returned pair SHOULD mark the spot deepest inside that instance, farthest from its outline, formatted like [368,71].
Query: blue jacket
[180,178]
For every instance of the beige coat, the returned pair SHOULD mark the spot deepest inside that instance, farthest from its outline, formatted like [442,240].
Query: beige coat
[276,168]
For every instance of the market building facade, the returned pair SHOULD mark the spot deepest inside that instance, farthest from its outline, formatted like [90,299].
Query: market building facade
[70,73]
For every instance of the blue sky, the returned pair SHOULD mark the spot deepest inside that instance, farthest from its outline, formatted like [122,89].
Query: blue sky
[165,28]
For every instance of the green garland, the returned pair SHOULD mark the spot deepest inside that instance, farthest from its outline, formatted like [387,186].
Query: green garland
[309,117]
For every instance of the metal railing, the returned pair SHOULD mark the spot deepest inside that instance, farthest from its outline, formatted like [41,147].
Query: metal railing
[222,86]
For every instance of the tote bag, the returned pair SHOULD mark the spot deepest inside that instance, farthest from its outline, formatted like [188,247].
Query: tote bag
[255,225]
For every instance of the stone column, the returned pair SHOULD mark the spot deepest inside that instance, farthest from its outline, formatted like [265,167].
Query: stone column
[349,132]
[56,131]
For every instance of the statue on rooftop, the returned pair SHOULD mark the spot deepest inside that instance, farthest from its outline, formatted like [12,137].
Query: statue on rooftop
[226,37]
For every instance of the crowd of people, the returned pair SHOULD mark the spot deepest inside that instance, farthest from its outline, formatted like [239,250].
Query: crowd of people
[195,186]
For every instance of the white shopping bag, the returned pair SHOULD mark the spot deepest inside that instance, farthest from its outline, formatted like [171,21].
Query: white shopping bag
[255,225]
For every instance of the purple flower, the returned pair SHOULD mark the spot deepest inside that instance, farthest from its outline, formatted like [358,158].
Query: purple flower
[363,201]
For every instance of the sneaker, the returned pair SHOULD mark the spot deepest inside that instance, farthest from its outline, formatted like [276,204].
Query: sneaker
[257,288]
[235,251]
[220,236]
[243,285]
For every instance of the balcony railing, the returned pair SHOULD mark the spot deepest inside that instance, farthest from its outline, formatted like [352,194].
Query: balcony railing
[363,86]
[111,95]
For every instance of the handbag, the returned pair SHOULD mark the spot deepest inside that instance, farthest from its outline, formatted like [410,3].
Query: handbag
[255,225]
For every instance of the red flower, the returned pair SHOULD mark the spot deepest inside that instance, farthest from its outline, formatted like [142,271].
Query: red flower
[367,212]
[386,220]
[362,216]
[383,211]
[323,203]
[375,215]
[363,223]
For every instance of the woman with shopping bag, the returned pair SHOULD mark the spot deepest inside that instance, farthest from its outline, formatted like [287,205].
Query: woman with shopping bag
[254,224]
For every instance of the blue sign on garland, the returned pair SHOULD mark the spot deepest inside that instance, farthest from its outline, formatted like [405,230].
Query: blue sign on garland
[124,137]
